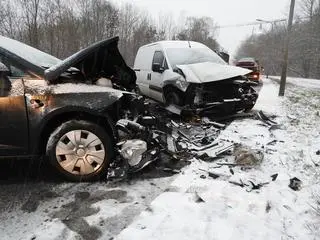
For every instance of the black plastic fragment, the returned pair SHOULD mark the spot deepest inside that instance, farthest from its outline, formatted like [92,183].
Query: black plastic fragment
[295,184]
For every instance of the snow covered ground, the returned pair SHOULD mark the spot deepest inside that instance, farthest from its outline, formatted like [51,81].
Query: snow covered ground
[302,82]
[197,206]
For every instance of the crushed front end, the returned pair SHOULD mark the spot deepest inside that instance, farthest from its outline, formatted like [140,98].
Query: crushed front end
[220,97]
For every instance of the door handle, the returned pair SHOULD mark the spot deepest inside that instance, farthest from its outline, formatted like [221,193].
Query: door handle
[149,76]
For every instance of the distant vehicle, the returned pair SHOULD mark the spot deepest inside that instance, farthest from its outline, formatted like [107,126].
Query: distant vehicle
[253,65]
[55,108]
[193,78]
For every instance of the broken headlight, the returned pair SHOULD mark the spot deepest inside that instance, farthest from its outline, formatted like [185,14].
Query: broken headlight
[182,84]
[198,97]
[133,150]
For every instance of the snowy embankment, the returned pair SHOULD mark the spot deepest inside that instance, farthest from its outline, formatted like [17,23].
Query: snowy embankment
[302,82]
[196,206]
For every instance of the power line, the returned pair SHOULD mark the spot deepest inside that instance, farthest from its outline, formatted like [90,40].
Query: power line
[258,22]
[239,25]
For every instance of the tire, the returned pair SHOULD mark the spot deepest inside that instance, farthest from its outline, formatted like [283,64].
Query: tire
[173,98]
[80,150]
[249,108]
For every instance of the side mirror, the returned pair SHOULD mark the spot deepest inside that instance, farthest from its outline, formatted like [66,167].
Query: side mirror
[5,84]
[156,67]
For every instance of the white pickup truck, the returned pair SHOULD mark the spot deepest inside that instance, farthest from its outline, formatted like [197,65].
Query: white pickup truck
[191,77]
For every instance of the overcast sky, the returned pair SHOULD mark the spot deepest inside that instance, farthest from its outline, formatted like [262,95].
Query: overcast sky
[224,12]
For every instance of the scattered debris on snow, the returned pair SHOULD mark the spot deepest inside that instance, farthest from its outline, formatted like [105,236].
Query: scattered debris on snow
[295,184]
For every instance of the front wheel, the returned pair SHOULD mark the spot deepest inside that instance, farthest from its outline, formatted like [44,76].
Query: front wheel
[173,98]
[80,150]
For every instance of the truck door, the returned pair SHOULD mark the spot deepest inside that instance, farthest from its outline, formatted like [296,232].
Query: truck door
[159,65]
[13,116]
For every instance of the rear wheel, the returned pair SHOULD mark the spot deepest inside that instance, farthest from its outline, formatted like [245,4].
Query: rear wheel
[80,150]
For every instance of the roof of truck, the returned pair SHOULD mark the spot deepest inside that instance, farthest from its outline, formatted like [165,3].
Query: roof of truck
[177,44]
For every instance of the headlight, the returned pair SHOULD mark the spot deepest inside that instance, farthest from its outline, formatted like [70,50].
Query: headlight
[132,151]
[182,84]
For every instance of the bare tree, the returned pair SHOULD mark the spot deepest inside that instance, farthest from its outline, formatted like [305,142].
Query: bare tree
[31,13]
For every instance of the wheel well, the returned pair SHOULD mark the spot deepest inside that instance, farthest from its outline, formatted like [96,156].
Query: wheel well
[171,88]
[56,121]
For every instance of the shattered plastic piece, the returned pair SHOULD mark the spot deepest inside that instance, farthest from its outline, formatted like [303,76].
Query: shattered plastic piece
[211,174]
[132,151]
[215,124]
[174,109]
[205,140]
[256,186]
[174,124]
[246,156]
[241,184]
[220,147]
[266,119]
[198,199]
[205,157]
[268,207]
[274,177]
[273,142]
[295,184]
[171,170]
[145,161]
[171,144]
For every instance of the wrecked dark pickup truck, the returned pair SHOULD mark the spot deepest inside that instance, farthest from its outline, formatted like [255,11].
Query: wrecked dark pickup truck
[66,109]
[190,78]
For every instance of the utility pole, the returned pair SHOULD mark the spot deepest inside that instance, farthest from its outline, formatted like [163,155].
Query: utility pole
[286,52]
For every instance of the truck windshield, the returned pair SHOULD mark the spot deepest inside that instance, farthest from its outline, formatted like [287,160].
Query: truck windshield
[184,56]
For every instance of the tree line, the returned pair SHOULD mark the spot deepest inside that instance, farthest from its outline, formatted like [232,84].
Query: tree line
[304,48]
[62,27]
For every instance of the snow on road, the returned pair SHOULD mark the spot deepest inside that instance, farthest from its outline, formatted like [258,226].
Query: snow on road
[200,207]
[68,211]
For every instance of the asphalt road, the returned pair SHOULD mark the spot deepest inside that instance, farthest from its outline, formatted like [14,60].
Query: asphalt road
[33,199]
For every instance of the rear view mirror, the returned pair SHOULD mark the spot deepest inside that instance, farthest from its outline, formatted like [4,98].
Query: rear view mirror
[156,67]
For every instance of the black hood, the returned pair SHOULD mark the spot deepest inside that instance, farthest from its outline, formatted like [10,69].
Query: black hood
[102,59]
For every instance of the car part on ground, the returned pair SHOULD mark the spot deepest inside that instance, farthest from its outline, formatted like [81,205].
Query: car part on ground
[150,138]
[295,184]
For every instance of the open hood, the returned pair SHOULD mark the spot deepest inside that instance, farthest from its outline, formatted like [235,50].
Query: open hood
[210,72]
[101,59]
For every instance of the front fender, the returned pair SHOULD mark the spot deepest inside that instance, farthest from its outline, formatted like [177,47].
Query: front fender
[61,107]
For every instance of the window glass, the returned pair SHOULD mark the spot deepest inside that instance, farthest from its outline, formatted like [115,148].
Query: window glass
[158,58]
[14,71]
[184,56]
